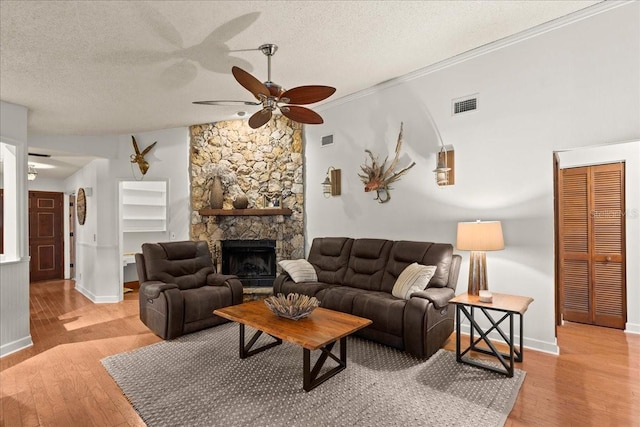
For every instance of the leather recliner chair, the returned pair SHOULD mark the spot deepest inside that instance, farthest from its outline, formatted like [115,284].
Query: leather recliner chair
[180,289]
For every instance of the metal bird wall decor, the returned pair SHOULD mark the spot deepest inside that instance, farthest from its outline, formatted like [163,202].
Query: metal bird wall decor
[138,157]
[377,178]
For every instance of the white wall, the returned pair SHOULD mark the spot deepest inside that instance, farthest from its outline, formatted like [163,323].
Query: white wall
[98,255]
[14,270]
[571,86]
[168,160]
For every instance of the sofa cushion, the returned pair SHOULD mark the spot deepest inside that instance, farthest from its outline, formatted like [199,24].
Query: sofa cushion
[300,270]
[404,253]
[307,288]
[415,277]
[367,262]
[440,255]
[340,298]
[187,264]
[385,310]
[330,257]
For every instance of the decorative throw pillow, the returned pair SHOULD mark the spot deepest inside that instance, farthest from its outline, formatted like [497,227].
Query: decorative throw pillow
[415,277]
[300,270]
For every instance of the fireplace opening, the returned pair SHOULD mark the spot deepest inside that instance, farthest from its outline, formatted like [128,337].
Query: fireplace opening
[253,261]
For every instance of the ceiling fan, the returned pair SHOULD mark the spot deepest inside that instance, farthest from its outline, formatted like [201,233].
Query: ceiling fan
[272,96]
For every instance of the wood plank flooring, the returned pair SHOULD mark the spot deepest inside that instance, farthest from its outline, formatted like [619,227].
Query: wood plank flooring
[60,380]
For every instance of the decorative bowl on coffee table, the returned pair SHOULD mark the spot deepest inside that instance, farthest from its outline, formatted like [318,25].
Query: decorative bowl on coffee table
[292,306]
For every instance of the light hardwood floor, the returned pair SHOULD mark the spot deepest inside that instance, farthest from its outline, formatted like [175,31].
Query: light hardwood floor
[60,380]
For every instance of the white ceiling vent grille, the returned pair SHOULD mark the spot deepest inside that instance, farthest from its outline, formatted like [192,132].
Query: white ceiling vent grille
[464,104]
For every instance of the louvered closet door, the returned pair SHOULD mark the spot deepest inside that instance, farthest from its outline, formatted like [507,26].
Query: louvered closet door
[592,270]
[574,244]
[608,268]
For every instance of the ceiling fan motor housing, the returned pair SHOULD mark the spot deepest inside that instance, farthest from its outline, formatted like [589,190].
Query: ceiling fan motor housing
[268,49]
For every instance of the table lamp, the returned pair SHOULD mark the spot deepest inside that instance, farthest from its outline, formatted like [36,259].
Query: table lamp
[478,237]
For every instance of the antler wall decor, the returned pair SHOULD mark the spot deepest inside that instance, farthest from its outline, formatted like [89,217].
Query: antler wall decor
[138,157]
[377,179]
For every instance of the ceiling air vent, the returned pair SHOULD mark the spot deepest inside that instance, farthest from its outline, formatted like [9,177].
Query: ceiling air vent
[464,104]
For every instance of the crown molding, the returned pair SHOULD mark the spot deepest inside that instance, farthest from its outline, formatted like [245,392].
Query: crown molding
[604,6]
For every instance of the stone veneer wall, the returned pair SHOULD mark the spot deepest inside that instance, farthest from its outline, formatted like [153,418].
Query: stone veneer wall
[265,160]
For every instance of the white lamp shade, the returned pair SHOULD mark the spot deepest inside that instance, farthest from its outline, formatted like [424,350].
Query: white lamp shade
[480,236]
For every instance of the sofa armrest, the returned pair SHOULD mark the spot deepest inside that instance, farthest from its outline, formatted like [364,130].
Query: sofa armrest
[215,279]
[230,281]
[153,289]
[438,296]
[277,284]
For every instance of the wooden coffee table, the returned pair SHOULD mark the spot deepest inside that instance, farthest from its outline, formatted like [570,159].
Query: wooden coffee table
[319,331]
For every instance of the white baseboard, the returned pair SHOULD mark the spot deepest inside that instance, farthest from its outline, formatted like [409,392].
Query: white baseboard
[95,298]
[632,328]
[15,346]
[530,343]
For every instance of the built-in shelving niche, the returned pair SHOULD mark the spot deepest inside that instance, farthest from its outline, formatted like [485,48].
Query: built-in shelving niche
[144,206]
[143,219]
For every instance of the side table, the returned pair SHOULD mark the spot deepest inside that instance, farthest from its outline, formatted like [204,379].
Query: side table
[508,306]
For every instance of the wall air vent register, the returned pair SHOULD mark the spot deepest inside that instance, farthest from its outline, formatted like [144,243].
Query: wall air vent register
[464,104]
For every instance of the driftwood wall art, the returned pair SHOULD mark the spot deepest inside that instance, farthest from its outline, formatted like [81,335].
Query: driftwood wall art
[138,157]
[376,178]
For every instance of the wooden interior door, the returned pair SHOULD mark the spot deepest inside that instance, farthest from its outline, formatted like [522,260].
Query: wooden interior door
[591,245]
[46,244]
[72,236]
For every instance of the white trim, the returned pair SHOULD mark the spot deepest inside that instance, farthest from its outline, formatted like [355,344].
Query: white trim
[96,245]
[95,298]
[7,260]
[530,343]
[632,328]
[482,50]
[16,346]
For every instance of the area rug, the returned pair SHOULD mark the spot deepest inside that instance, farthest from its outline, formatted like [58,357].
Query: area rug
[199,380]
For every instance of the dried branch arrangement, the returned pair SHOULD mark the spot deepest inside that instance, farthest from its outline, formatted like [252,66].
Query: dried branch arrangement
[292,306]
[376,178]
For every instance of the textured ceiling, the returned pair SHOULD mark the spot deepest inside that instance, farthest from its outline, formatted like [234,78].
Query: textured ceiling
[122,67]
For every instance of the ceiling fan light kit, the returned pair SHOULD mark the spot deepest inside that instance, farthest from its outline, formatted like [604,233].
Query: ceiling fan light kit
[272,96]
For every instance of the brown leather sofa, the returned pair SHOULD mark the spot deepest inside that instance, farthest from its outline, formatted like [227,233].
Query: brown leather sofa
[179,288]
[356,276]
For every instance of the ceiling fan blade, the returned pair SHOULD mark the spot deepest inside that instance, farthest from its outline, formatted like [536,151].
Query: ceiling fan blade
[260,118]
[307,94]
[250,83]
[301,114]
[226,102]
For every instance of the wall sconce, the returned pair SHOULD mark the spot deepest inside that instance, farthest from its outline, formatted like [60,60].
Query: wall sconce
[331,183]
[32,173]
[445,167]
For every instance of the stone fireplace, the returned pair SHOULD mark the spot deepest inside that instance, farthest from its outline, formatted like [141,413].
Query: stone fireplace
[267,161]
[253,261]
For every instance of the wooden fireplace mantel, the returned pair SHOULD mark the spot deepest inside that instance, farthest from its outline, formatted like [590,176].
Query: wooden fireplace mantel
[245,212]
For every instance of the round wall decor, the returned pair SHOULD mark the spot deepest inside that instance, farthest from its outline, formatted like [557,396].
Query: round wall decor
[81,206]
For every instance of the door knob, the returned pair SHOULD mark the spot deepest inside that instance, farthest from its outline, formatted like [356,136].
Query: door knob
[608,258]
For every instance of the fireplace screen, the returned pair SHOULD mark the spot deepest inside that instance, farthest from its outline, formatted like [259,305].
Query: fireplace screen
[253,261]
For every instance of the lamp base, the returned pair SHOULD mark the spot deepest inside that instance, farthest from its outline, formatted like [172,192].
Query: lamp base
[477,272]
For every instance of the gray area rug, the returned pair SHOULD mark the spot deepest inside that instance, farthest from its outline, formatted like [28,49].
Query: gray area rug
[199,380]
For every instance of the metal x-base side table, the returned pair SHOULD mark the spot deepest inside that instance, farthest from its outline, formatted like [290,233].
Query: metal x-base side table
[508,306]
